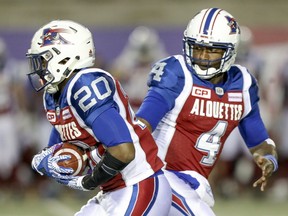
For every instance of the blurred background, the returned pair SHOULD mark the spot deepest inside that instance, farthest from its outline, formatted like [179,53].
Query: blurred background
[129,36]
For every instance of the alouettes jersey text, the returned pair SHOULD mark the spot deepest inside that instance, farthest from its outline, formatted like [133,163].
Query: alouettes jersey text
[68,131]
[206,105]
[66,124]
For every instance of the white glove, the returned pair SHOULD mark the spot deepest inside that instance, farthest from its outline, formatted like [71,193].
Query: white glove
[46,164]
[74,182]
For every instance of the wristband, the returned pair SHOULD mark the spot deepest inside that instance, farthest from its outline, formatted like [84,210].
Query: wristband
[270,142]
[106,169]
[273,160]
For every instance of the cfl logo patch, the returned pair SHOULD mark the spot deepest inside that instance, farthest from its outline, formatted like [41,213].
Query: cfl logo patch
[201,92]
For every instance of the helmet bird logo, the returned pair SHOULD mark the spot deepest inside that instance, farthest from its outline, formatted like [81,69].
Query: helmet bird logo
[232,24]
[52,36]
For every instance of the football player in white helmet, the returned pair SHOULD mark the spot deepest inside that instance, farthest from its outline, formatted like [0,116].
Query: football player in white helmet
[88,107]
[218,40]
[58,49]
[194,102]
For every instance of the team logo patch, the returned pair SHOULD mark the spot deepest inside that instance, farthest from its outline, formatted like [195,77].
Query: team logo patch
[235,97]
[201,92]
[219,91]
[232,24]
[53,36]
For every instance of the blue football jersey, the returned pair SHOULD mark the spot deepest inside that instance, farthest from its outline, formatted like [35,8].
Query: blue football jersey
[77,116]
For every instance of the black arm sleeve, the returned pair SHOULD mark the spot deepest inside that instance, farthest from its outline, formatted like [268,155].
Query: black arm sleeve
[106,169]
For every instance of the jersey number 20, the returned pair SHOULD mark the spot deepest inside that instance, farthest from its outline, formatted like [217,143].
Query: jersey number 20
[86,102]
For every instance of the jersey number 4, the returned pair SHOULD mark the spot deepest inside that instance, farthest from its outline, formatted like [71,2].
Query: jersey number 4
[158,71]
[209,142]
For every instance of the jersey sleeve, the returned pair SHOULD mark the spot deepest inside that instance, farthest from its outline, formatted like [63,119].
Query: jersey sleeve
[167,79]
[110,128]
[251,127]
[253,92]
[165,82]
[92,94]
[154,115]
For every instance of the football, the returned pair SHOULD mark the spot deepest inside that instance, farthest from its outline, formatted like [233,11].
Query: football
[78,160]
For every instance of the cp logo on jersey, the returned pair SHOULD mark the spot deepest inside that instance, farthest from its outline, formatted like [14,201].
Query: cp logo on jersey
[201,92]
[51,116]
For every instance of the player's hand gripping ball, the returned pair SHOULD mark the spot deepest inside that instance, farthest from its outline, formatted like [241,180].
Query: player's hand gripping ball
[78,160]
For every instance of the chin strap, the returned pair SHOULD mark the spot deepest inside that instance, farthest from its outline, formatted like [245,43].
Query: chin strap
[53,87]
[205,74]
[70,68]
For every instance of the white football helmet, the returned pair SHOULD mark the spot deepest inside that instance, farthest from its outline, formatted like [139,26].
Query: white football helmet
[213,28]
[57,49]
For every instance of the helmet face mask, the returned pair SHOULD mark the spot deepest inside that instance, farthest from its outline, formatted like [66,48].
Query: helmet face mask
[58,49]
[40,76]
[217,31]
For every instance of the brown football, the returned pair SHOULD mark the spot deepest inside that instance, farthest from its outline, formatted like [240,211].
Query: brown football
[78,160]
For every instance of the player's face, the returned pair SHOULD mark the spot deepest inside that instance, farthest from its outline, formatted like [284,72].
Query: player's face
[206,57]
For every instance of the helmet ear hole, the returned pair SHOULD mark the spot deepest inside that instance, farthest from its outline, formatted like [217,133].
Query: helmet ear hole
[64,61]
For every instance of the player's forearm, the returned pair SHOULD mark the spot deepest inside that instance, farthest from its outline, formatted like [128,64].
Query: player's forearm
[106,169]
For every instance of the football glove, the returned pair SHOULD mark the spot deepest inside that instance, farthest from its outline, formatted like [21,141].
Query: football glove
[46,164]
[74,182]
